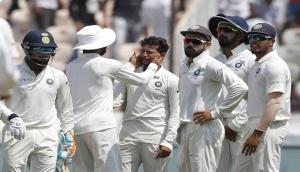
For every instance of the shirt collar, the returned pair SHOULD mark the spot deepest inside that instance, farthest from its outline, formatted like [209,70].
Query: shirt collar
[236,51]
[24,66]
[159,71]
[239,49]
[267,56]
[199,58]
[89,55]
[140,69]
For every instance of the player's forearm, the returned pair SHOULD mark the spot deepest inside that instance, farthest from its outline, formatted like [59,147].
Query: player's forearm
[236,93]
[173,120]
[128,76]
[270,111]
[4,111]
[67,122]
[171,133]
[119,93]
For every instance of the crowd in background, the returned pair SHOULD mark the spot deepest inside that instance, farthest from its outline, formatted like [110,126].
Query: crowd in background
[133,19]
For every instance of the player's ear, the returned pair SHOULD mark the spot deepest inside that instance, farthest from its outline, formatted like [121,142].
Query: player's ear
[163,54]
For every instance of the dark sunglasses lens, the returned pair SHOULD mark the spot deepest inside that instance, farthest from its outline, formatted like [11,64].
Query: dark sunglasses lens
[257,37]
[196,42]
[193,41]
[225,29]
[43,49]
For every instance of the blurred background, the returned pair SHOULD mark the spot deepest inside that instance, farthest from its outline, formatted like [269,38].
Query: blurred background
[134,19]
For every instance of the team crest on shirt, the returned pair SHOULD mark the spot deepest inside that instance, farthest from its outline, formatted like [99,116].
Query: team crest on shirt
[50,81]
[158,86]
[257,71]
[197,72]
[238,65]
[158,83]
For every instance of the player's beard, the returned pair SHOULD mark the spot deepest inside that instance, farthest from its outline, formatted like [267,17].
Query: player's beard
[224,42]
[192,52]
[40,60]
[145,64]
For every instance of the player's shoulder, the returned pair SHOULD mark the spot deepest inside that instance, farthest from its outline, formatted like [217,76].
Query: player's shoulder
[276,62]
[219,57]
[213,63]
[107,62]
[171,76]
[248,55]
[56,72]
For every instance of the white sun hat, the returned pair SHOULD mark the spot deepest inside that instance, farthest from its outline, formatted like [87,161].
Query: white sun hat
[94,37]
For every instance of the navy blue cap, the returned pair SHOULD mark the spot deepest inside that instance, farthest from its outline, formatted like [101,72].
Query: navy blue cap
[38,38]
[263,28]
[198,30]
[239,22]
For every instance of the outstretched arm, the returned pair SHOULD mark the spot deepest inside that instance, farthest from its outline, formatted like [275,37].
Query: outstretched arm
[271,108]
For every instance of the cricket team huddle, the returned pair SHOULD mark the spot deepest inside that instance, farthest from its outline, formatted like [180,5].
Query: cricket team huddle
[227,113]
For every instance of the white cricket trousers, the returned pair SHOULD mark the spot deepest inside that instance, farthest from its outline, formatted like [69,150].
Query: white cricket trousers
[268,153]
[134,154]
[200,146]
[38,149]
[97,151]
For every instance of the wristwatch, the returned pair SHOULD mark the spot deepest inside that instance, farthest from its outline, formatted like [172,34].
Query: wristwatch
[11,116]
[259,132]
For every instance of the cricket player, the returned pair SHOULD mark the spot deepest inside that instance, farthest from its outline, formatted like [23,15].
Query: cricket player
[151,118]
[39,102]
[268,107]
[91,79]
[201,79]
[231,32]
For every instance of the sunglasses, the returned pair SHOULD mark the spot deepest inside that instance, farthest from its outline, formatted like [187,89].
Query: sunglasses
[43,49]
[226,29]
[258,37]
[193,41]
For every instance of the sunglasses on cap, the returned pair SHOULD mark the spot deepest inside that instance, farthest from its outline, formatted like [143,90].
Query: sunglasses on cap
[193,41]
[226,29]
[258,37]
[43,49]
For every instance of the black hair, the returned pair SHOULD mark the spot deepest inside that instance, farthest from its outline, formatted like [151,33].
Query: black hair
[100,51]
[153,40]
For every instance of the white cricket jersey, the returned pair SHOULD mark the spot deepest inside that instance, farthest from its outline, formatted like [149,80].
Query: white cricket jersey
[48,4]
[8,72]
[91,79]
[41,100]
[269,74]
[9,37]
[152,112]
[240,63]
[201,83]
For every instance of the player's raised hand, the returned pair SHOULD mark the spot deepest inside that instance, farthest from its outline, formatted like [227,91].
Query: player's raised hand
[135,60]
